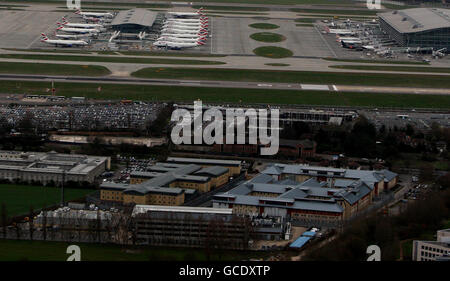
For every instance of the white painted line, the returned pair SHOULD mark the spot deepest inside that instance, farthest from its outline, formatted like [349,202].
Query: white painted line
[314,87]
[335,88]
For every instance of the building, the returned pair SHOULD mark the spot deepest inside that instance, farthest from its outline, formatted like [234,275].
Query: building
[438,250]
[418,27]
[234,166]
[48,167]
[190,227]
[165,184]
[134,20]
[300,193]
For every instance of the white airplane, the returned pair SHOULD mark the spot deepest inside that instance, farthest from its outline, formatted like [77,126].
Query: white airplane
[71,36]
[181,40]
[180,35]
[369,47]
[193,25]
[185,29]
[341,31]
[202,18]
[83,25]
[68,43]
[174,45]
[78,30]
[181,14]
[91,19]
[186,21]
[187,32]
[94,14]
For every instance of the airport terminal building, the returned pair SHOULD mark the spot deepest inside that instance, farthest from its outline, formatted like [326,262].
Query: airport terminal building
[134,20]
[418,27]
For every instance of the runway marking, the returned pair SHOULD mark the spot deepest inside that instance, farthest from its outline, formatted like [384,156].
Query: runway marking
[314,87]
[335,88]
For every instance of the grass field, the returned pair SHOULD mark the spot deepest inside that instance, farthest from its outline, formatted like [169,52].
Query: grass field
[19,198]
[394,68]
[277,64]
[267,37]
[377,61]
[19,250]
[312,77]
[224,95]
[273,52]
[53,69]
[264,25]
[109,59]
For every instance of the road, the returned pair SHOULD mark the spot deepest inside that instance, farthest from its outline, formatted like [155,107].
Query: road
[225,84]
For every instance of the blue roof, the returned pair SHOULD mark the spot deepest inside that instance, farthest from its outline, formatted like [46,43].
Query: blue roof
[309,234]
[300,242]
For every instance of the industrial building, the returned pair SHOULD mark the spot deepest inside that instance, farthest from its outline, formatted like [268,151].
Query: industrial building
[190,227]
[438,250]
[134,20]
[307,194]
[166,183]
[48,167]
[418,27]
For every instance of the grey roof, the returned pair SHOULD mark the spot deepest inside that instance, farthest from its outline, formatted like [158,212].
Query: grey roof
[417,19]
[388,175]
[213,170]
[201,161]
[137,16]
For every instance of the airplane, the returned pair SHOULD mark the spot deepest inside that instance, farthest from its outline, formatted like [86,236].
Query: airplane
[176,26]
[78,30]
[184,31]
[91,19]
[369,47]
[68,43]
[94,14]
[174,45]
[180,35]
[185,23]
[181,40]
[83,25]
[182,14]
[203,19]
[341,31]
[71,36]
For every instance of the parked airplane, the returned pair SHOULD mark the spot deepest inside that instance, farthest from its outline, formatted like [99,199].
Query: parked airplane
[184,31]
[78,30]
[174,45]
[67,43]
[181,40]
[71,36]
[94,14]
[202,19]
[83,25]
[181,35]
[91,19]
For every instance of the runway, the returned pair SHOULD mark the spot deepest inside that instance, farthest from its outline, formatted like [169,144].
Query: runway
[227,84]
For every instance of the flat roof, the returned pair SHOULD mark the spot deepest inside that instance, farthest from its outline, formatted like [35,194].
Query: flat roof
[204,161]
[417,19]
[137,16]
[180,209]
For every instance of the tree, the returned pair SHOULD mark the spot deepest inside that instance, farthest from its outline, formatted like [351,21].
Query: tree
[426,172]
[159,126]
[31,223]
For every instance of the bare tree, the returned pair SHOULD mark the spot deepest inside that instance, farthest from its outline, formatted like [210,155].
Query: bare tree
[4,217]
[31,223]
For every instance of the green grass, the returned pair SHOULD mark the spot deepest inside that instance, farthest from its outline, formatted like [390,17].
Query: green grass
[226,95]
[377,61]
[53,69]
[312,77]
[365,12]
[21,250]
[108,59]
[394,68]
[306,20]
[278,64]
[19,198]
[268,37]
[264,25]
[49,51]
[273,52]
